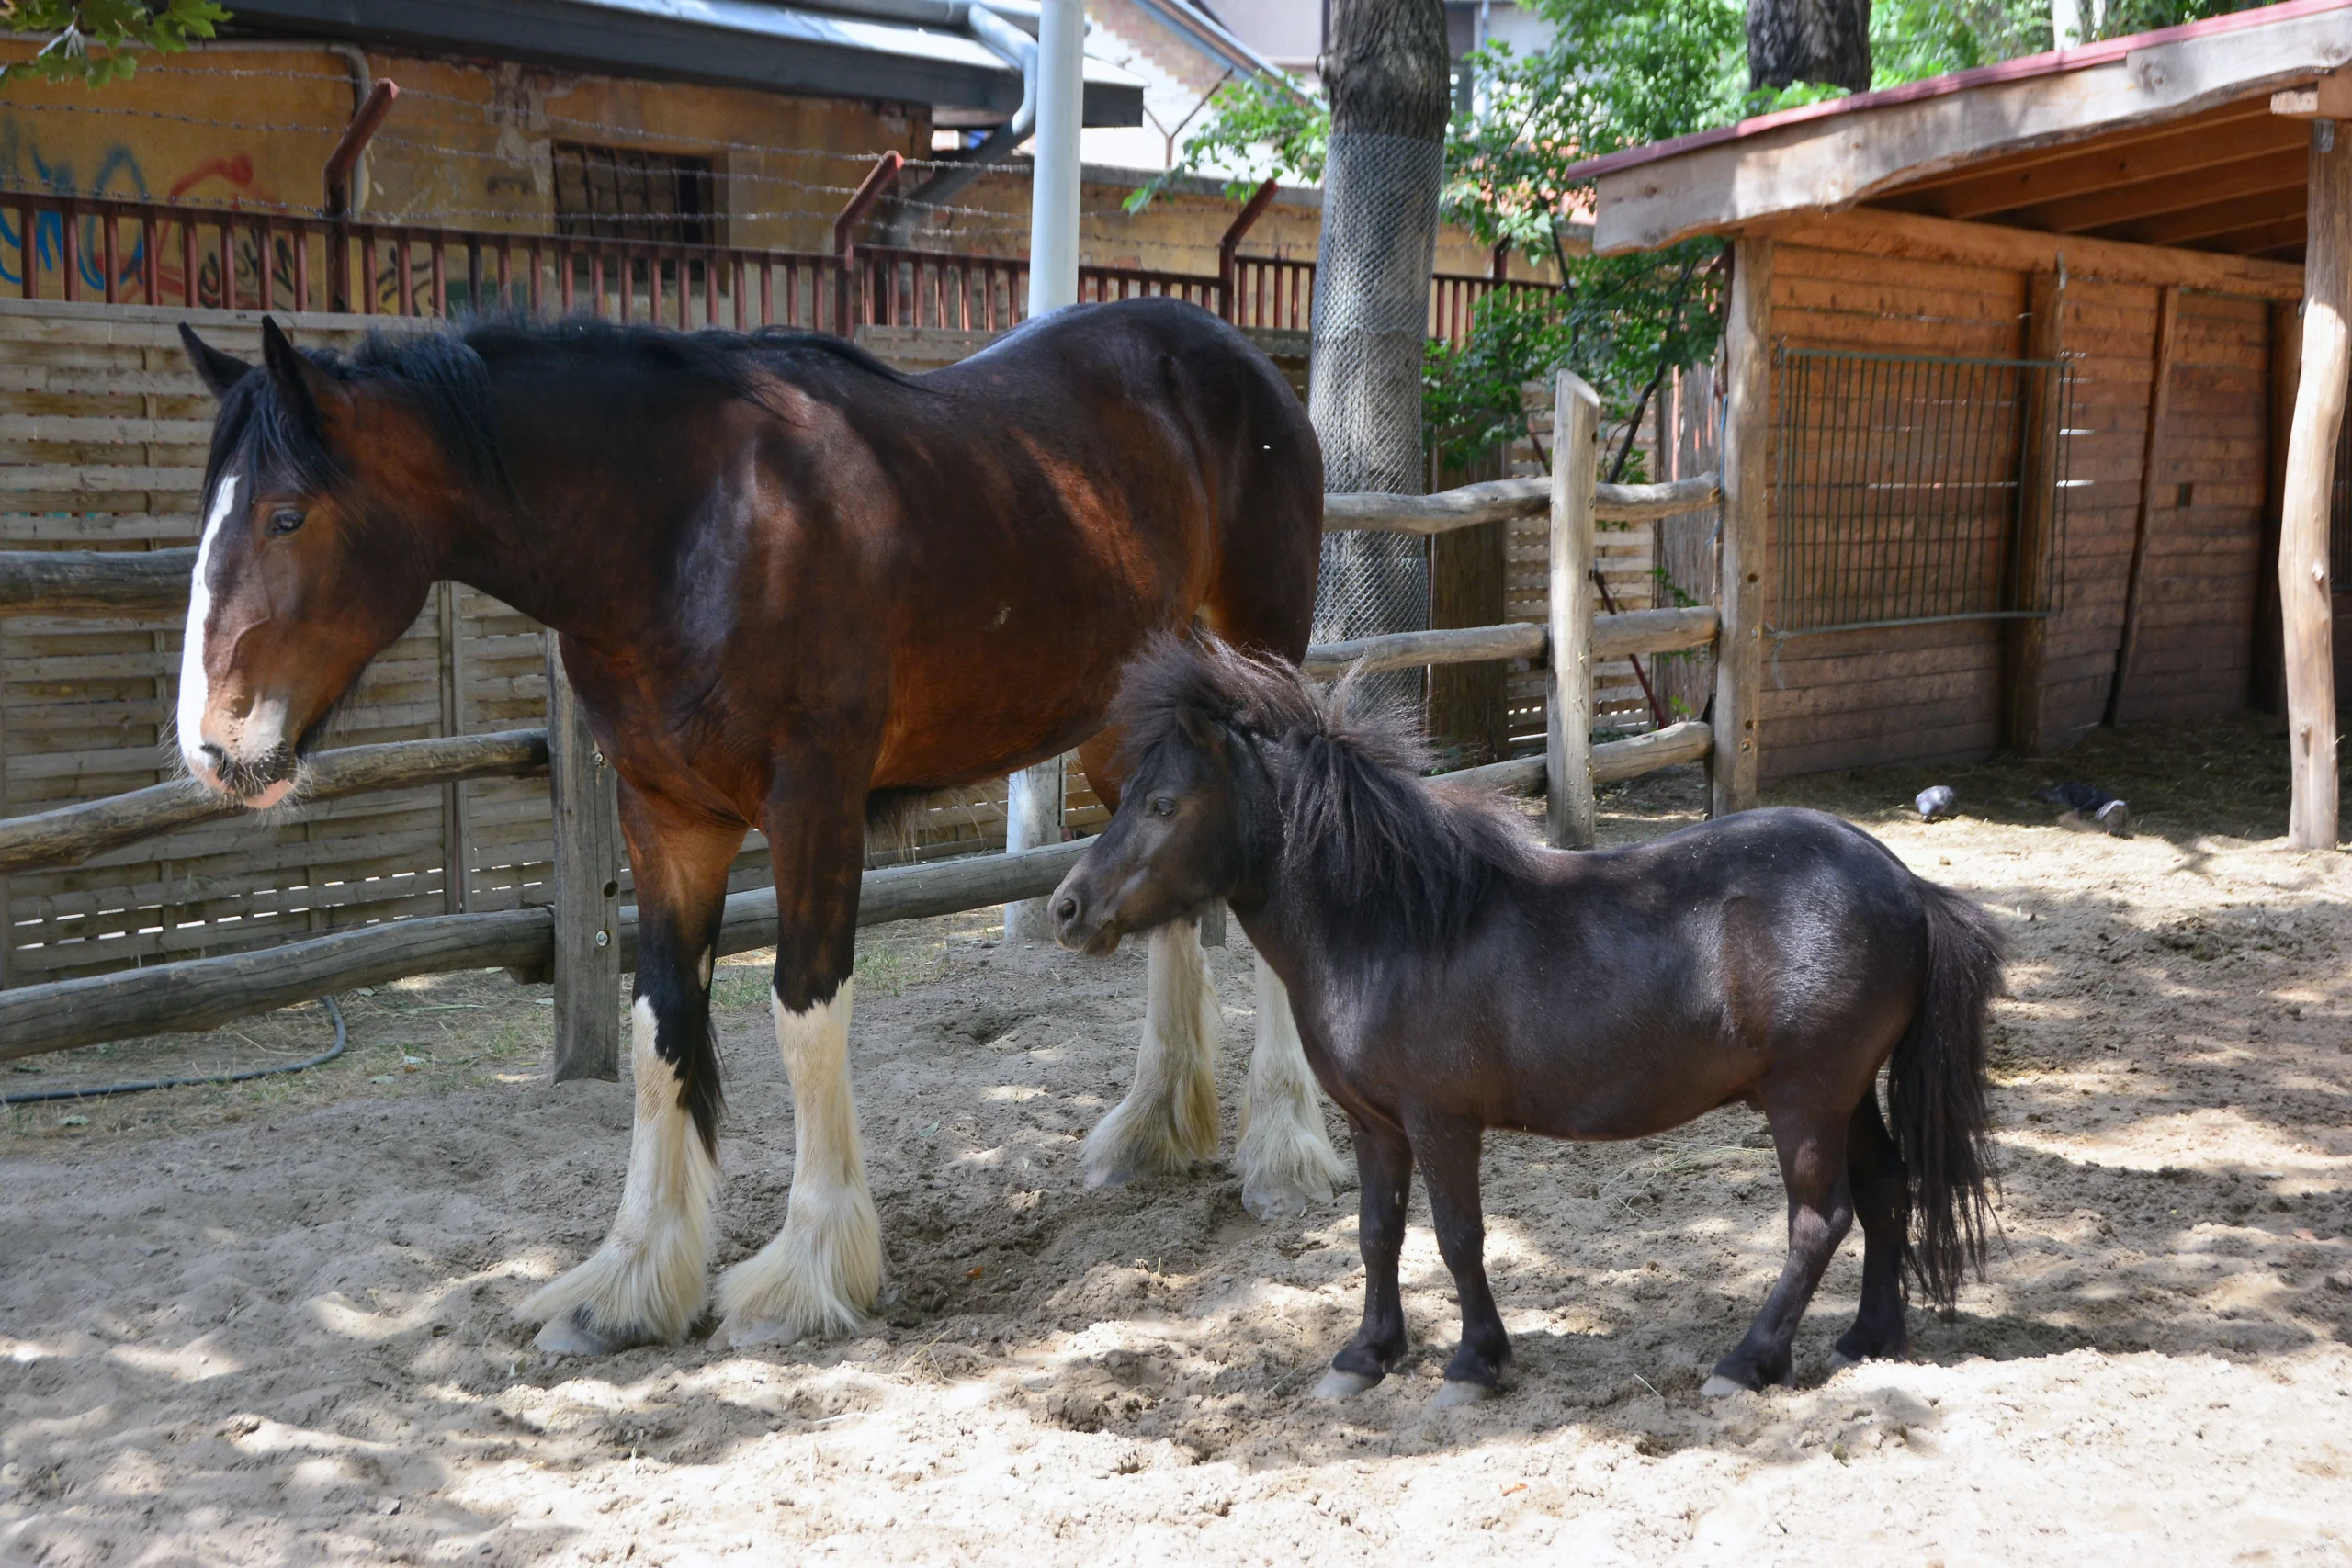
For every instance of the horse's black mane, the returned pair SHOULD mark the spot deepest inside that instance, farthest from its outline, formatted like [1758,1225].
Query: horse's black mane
[1359,823]
[446,372]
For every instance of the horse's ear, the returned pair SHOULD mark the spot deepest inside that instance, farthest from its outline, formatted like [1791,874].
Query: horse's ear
[1204,726]
[316,398]
[218,371]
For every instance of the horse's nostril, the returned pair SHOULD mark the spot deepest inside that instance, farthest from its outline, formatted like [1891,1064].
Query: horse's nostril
[214,757]
[1066,910]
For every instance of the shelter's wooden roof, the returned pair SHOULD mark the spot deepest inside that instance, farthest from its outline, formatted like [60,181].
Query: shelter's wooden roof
[2166,138]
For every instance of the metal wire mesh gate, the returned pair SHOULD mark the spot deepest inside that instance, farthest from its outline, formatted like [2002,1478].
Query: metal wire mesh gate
[1900,479]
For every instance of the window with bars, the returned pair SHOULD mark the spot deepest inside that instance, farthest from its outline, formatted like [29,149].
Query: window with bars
[1903,483]
[624,192]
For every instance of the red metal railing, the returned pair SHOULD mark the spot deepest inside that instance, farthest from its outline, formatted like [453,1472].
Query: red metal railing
[168,254]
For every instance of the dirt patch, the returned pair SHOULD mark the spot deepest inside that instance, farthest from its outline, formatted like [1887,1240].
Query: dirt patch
[244,1329]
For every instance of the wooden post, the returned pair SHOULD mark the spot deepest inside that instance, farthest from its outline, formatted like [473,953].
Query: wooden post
[456,858]
[2151,455]
[2268,687]
[587,876]
[1739,650]
[1469,704]
[2305,597]
[1567,751]
[2025,644]
[1033,819]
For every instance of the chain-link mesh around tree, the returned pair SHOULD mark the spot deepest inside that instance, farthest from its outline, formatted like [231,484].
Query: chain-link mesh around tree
[1379,243]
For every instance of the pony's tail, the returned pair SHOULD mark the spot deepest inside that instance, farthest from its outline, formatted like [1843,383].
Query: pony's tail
[1935,1093]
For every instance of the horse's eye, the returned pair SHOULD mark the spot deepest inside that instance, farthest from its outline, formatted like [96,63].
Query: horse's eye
[285,520]
[1163,806]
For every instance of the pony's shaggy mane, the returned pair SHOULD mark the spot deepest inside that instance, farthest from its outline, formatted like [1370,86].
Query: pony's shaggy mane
[1386,851]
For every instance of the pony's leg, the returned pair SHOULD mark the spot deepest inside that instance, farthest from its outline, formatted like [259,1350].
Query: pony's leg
[821,1273]
[1812,1143]
[646,1283]
[1169,1118]
[1881,1202]
[1384,1171]
[1449,1153]
[1286,1158]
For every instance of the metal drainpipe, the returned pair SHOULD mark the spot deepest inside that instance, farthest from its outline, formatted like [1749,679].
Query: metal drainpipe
[988,24]
[355,61]
[1033,799]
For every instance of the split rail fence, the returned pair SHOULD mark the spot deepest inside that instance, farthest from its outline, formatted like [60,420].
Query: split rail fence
[587,938]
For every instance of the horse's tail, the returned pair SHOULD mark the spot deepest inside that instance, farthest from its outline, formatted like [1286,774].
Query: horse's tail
[1935,1093]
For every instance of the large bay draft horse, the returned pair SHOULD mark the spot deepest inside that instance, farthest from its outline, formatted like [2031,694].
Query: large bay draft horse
[1451,976]
[794,588]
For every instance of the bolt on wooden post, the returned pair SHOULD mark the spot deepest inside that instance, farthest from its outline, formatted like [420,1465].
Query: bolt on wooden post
[1567,750]
[585,795]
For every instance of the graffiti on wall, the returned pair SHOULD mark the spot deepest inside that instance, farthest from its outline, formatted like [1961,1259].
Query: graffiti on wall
[224,180]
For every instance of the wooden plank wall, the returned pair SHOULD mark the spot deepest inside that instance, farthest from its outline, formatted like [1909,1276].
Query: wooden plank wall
[103,435]
[1930,693]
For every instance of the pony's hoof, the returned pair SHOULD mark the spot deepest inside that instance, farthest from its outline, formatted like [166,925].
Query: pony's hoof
[1462,1390]
[1718,1386]
[1337,1384]
[572,1334]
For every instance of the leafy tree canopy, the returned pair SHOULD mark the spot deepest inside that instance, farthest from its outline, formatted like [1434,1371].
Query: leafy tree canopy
[96,41]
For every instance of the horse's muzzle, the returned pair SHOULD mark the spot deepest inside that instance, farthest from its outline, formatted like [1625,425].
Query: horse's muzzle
[258,782]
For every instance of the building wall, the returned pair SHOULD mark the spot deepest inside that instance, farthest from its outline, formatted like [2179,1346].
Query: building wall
[467,146]
[1931,693]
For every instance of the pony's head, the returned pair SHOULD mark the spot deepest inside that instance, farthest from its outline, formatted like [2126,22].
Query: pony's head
[1244,779]
[319,496]
[1197,801]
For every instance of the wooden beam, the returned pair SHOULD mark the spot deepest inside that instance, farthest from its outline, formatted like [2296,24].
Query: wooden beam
[2051,175]
[1567,750]
[2025,644]
[1614,762]
[2276,168]
[2306,602]
[1833,157]
[587,956]
[1411,650]
[203,993]
[2266,690]
[1742,591]
[72,834]
[1499,501]
[1908,236]
[2151,451]
[2330,97]
[94,583]
[2242,211]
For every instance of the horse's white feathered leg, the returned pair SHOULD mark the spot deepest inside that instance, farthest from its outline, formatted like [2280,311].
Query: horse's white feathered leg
[821,1272]
[1169,1118]
[646,1283]
[1286,1158]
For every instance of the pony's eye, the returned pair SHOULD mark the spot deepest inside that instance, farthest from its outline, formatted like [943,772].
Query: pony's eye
[285,520]
[1163,806]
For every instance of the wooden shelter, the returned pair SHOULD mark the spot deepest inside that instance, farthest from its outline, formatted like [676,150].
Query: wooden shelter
[2033,392]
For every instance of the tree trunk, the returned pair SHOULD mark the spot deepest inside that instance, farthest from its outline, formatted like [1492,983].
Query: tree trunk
[1387,72]
[1823,42]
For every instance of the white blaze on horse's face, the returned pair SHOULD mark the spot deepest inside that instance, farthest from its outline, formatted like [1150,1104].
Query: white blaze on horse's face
[266,722]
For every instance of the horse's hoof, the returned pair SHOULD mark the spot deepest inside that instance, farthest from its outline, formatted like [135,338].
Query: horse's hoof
[1839,1362]
[1462,1392]
[1718,1386]
[1109,1175]
[573,1335]
[1337,1384]
[741,1334]
[1271,1205]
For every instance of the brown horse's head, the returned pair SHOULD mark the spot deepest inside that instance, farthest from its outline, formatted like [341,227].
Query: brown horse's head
[325,500]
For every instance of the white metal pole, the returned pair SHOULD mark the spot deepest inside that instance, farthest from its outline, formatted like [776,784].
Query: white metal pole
[1033,796]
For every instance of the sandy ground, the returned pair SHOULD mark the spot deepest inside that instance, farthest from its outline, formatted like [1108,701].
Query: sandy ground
[273,1325]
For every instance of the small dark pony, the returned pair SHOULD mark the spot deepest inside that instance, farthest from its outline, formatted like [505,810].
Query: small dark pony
[1451,974]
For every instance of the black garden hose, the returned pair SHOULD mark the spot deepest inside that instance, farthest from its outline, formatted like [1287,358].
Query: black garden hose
[341,1040]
